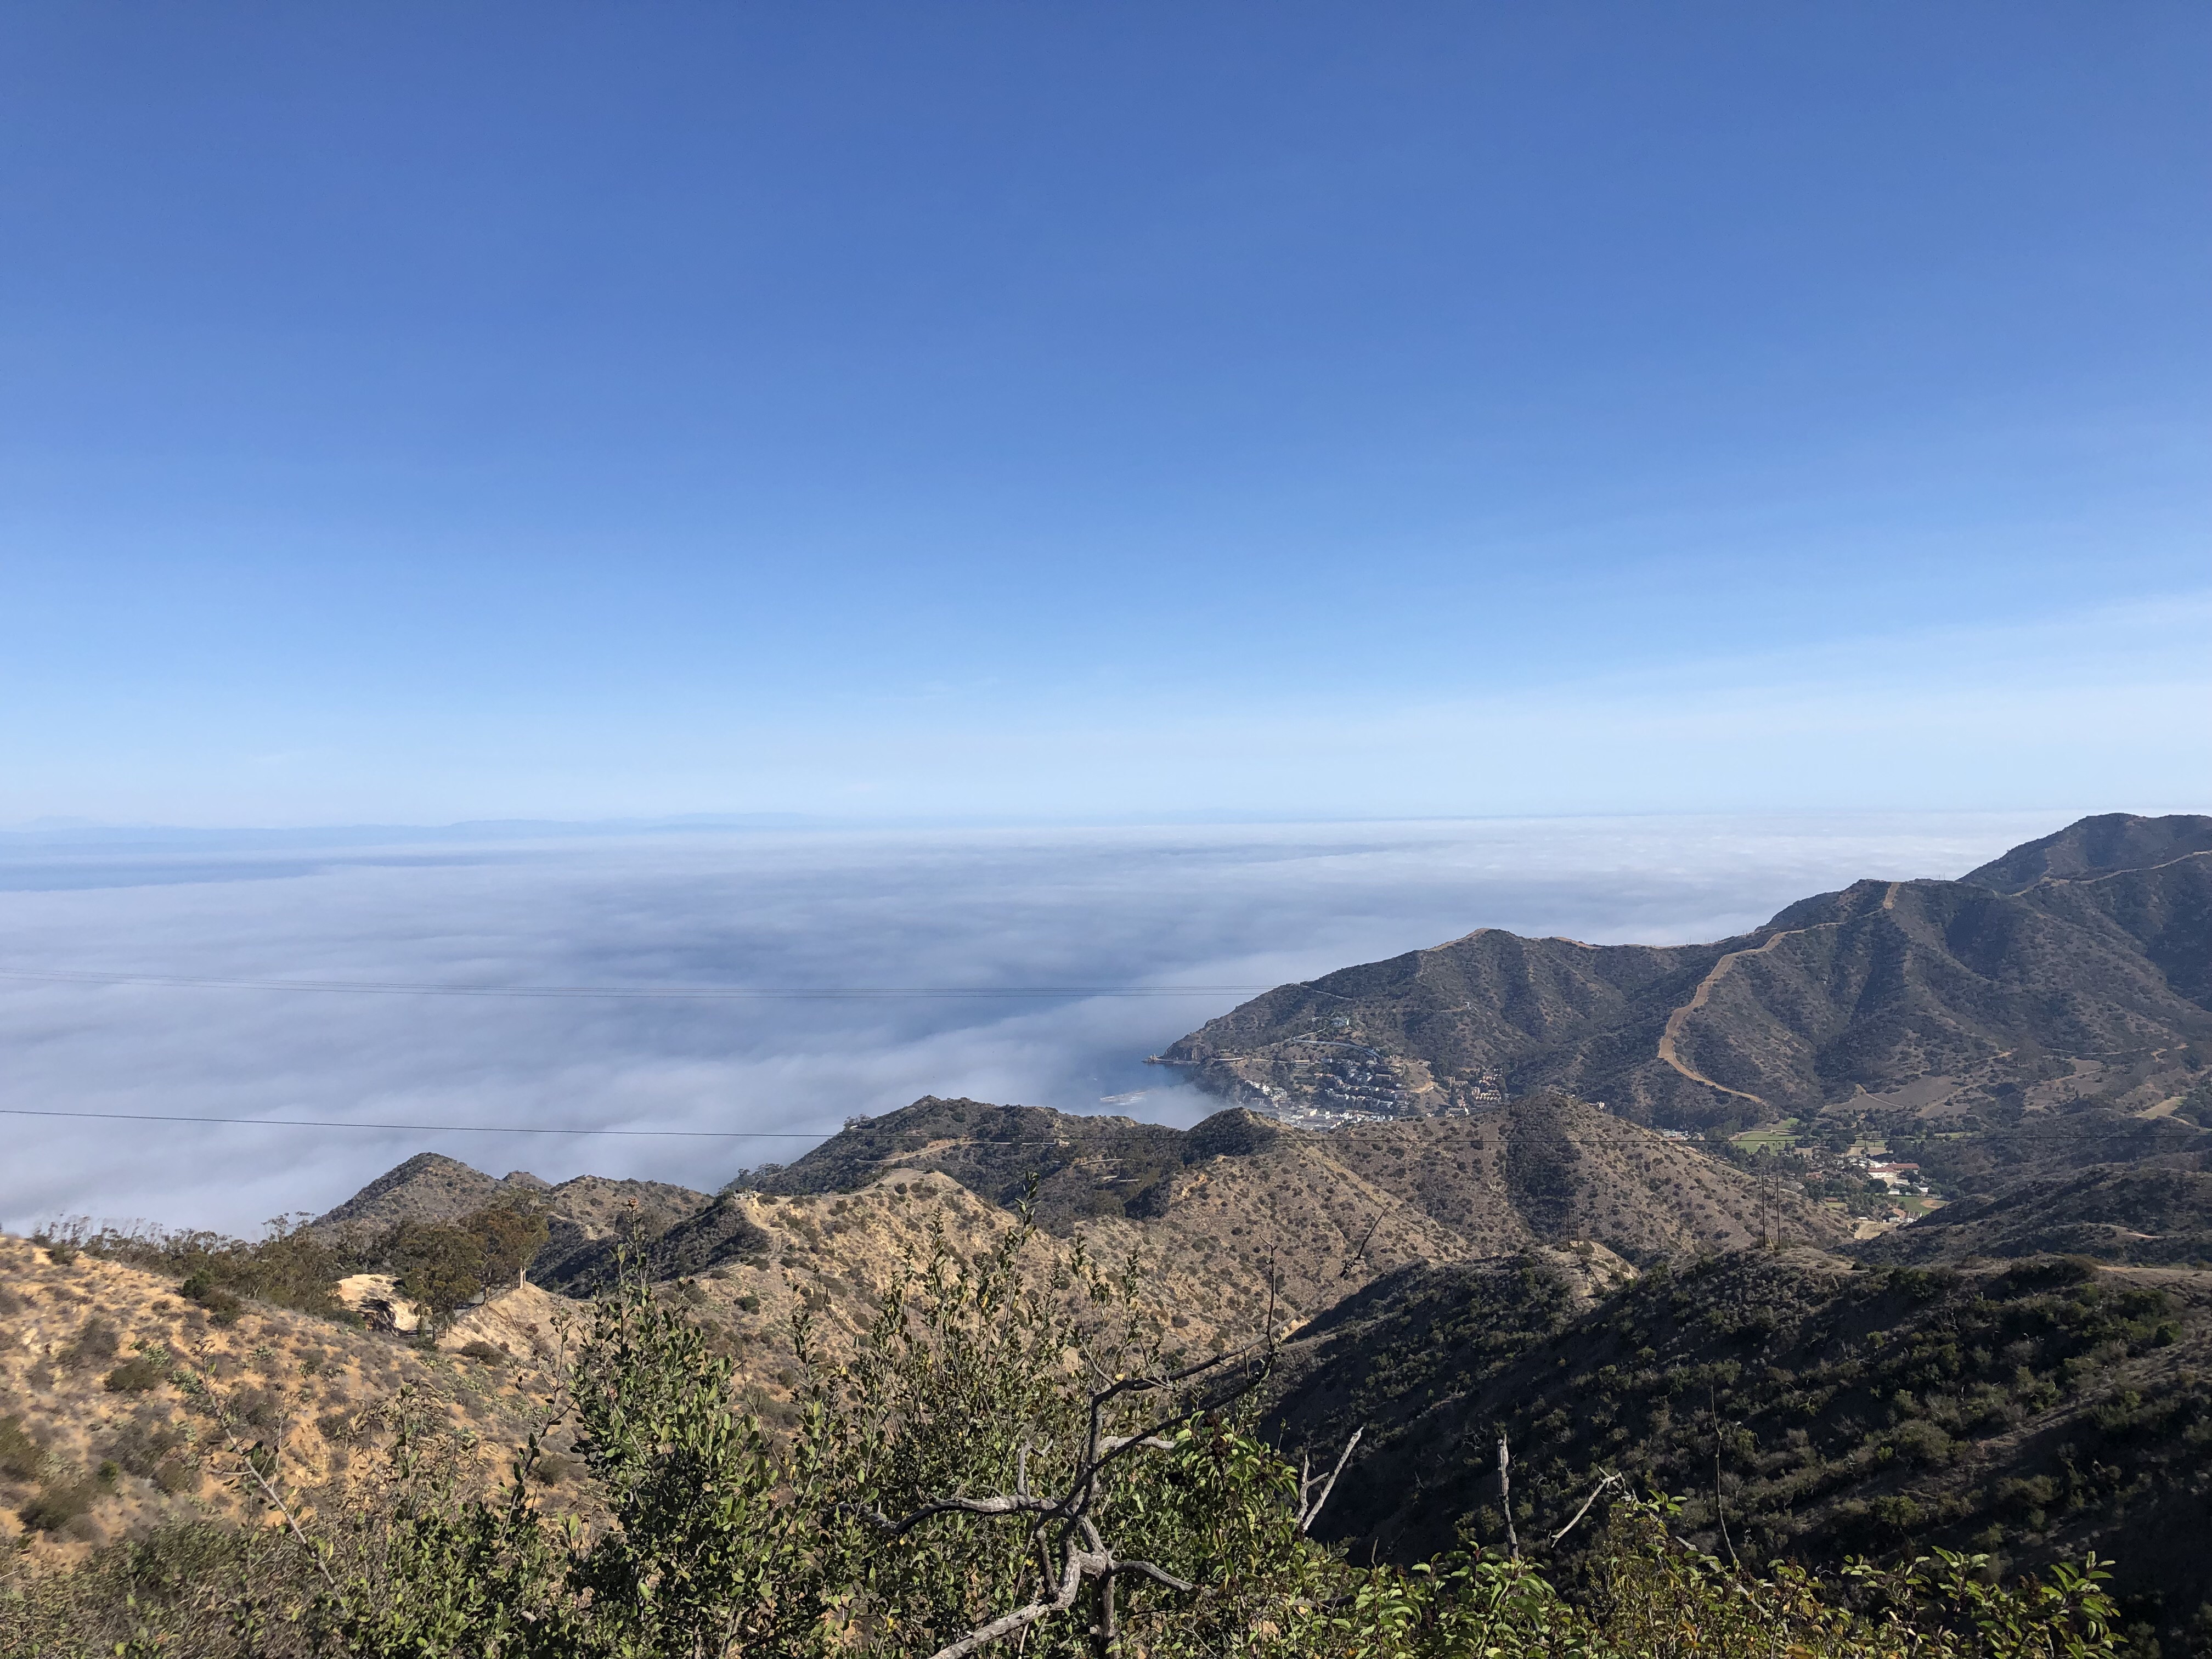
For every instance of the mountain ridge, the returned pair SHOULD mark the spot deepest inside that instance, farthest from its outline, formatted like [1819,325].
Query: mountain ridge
[2080,959]
[1228,1213]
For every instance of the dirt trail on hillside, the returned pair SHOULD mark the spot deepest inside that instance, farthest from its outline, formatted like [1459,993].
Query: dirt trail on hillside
[1671,1054]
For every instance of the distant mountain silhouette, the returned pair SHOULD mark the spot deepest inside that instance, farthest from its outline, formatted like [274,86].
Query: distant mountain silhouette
[2076,967]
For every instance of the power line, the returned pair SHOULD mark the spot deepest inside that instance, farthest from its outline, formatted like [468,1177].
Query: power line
[423,1128]
[515,1128]
[928,1144]
[539,1129]
[397,987]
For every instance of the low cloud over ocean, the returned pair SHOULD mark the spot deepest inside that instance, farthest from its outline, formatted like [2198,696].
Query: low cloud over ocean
[1137,907]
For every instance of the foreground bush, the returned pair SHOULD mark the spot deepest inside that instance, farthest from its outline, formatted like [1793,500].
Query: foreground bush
[1008,1464]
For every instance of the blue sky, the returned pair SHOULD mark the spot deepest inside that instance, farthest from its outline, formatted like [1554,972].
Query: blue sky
[410,413]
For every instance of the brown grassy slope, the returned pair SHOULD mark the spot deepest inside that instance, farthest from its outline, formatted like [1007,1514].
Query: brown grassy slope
[1210,1212]
[1224,1220]
[1213,1204]
[832,1257]
[1547,1170]
[1259,1216]
[1238,1219]
[1258,1219]
[270,1365]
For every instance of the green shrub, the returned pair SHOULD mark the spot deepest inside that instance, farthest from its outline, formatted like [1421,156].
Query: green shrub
[20,1457]
[96,1344]
[911,1507]
[441,1268]
[136,1375]
[290,1268]
[56,1504]
[1925,1444]
[201,1289]
[176,1478]
[141,1446]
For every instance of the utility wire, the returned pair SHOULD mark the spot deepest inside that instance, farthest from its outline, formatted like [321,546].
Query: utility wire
[425,1128]
[928,1143]
[395,988]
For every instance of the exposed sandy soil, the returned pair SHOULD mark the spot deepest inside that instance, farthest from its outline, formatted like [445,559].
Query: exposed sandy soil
[162,1443]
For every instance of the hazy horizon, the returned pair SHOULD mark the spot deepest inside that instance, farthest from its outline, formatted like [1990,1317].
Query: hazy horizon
[1209,904]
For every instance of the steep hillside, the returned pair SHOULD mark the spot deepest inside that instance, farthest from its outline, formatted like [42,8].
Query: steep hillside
[2053,1143]
[1083,1167]
[2157,1212]
[2037,1408]
[108,1372]
[1215,1208]
[2062,971]
[110,1379]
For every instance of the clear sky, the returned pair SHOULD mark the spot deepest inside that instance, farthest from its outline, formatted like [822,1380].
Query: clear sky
[414,412]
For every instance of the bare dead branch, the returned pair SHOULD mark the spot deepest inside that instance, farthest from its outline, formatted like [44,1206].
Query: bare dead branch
[1505,1495]
[1142,1384]
[1155,1573]
[270,1493]
[1013,1505]
[1091,1558]
[1090,1472]
[1310,1507]
[1594,1492]
[1071,1581]
[1354,1259]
